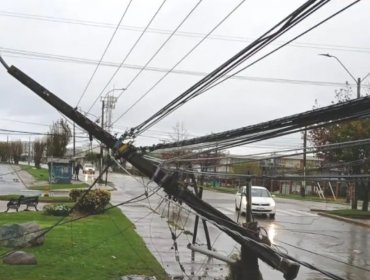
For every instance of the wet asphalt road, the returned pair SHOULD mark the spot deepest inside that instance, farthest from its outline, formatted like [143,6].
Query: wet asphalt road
[10,182]
[339,247]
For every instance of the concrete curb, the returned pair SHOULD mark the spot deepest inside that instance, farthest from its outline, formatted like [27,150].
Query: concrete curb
[348,220]
[18,175]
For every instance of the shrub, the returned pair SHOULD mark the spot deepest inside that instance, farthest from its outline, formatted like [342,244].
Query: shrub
[74,194]
[93,202]
[57,209]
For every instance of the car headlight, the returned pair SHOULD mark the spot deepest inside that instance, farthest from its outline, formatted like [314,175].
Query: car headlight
[272,203]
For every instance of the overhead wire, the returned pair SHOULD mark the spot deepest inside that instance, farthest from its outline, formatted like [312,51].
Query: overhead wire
[283,45]
[273,33]
[156,52]
[337,47]
[350,110]
[10,52]
[104,52]
[184,57]
[273,155]
[206,85]
[128,54]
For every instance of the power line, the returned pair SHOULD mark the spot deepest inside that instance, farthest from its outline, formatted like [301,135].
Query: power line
[273,33]
[128,54]
[159,49]
[22,132]
[286,43]
[79,60]
[25,122]
[230,134]
[183,58]
[104,52]
[358,49]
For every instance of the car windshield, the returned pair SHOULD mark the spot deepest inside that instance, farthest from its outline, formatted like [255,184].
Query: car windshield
[260,193]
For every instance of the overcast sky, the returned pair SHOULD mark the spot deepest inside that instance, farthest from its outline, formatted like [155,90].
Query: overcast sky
[55,42]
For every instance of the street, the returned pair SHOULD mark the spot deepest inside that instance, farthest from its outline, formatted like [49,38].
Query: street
[11,183]
[338,247]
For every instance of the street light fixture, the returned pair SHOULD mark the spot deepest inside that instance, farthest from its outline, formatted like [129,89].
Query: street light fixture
[357,81]
[108,103]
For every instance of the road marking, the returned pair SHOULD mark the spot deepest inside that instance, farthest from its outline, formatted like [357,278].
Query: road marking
[305,213]
[281,212]
[295,213]
[287,213]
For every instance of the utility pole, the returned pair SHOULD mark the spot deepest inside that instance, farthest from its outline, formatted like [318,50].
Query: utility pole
[358,87]
[29,150]
[109,103]
[169,181]
[101,144]
[249,260]
[303,189]
[8,148]
[74,139]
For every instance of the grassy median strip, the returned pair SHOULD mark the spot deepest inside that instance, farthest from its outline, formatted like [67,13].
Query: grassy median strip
[41,174]
[99,247]
[311,198]
[50,187]
[350,213]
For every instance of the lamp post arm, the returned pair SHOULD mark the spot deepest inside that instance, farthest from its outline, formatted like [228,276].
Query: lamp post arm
[368,74]
[345,68]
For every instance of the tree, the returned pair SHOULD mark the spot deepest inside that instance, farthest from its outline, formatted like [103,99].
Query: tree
[4,151]
[355,157]
[58,139]
[38,151]
[16,151]
[179,134]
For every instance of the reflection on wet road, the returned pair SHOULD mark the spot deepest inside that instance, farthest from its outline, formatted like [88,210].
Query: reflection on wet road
[332,245]
[335,246]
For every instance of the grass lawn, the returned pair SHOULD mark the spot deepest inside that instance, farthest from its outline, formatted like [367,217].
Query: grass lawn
[51,187]
[221,189]
[41,174]
[98,247]
[311,198]
[351,213]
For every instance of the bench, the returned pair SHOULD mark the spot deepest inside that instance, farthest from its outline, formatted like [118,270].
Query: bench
[29,201]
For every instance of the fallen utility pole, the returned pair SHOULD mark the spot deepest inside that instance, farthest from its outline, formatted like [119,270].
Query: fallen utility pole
[168,181]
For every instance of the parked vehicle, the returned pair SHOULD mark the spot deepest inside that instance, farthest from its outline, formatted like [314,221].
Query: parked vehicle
[262,201]
[88,168]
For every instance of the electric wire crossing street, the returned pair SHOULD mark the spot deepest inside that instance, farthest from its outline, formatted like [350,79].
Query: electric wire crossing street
[255,244]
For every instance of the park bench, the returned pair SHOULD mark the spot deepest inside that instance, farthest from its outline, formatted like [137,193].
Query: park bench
[29,201]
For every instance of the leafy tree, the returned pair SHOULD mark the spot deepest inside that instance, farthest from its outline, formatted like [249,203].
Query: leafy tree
[58,139]
[16,151]
[38,151]
[355,158]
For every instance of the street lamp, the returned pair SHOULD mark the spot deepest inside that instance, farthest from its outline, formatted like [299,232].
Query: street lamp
[108,104]
[357,81]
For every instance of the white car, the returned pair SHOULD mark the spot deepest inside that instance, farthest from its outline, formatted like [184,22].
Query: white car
[262,201]
[88,168]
